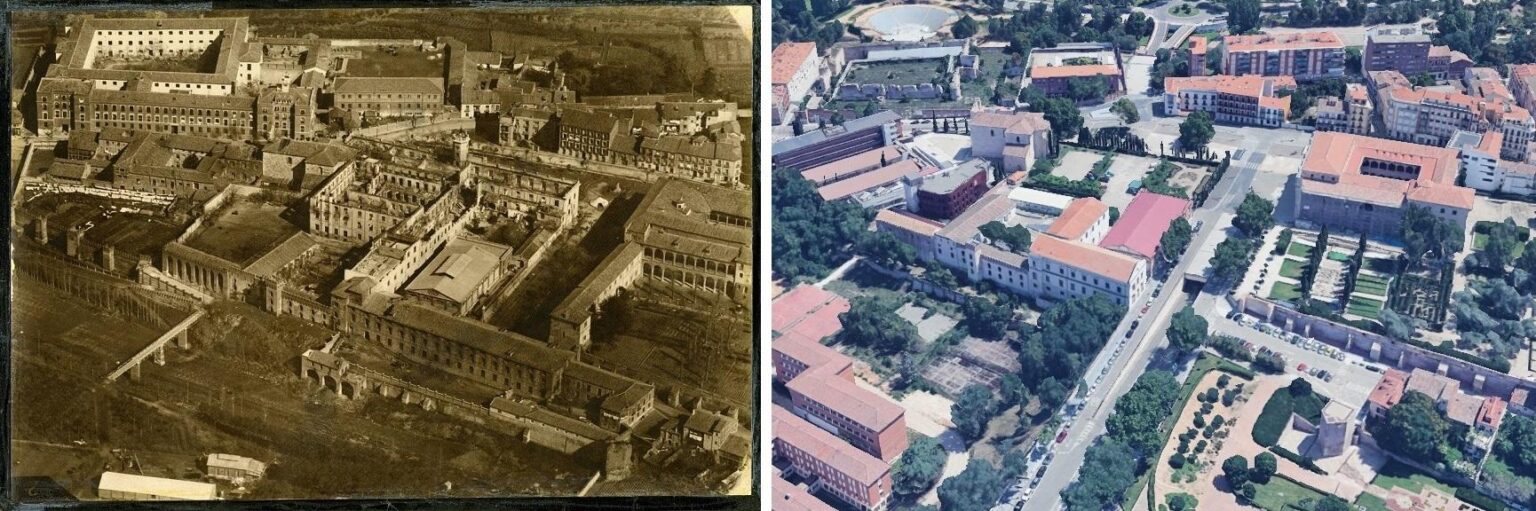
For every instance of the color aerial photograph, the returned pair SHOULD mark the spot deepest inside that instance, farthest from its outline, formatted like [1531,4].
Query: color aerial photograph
[1163,255]
[399,253]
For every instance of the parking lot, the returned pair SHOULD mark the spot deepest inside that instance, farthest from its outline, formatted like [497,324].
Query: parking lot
[1350,378]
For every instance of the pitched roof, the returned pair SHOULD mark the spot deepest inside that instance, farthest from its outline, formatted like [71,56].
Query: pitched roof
[868,180]
[908,222]
[789,497]
[867,409]
[1262,88]
[864,469]
[458,269]
[1078,217]
[1389,389]
[1141,227]
[1103,262]
[373,84]
[1340,156]
[862,162]
[787,59]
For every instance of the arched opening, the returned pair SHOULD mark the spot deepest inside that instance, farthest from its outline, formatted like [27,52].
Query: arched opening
[330,382]
[349,389]
[311,375]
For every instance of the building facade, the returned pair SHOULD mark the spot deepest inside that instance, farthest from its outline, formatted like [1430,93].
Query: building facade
[1301,55]
[1249,100]
[1364,184]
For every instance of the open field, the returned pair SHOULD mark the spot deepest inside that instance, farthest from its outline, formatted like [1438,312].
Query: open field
[242,231]
[407,61]
[907,72]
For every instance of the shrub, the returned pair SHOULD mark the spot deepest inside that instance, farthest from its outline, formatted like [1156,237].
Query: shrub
[1210,395]
[1218,421]
[1200,421]
[1206,408]
[1223,381]
[1200,447]
[1176,461]
[1297,459]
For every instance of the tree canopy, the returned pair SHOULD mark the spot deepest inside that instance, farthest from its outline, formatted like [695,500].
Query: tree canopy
[974,489]
[965,28]
[1196,132]
[971,412]
[810,236]
[986,319]
[1109,467]
[1175,240]
[1142,409]
[1126,110]
[918,467]
[1230,261]
[872,322]
[1414,428]
[1428,238]
[1243,16]
[1187,330]
[1254,215]
[1013,238]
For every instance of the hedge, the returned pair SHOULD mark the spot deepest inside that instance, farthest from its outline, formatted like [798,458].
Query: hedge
[1472,497]
[1297,459]
[1494,364]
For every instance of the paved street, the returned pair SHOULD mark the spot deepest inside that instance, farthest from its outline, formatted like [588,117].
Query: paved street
[1144,342]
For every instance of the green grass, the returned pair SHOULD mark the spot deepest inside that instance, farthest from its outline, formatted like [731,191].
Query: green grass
[1370,502]
[1398,475]
[908,72]
[1291,268]
[1284,291]
[1364,311]
[1277,414]
[1299,250]
[1372,284]
[1480,240]
[1338,256]
[1361,301]
[1280,492]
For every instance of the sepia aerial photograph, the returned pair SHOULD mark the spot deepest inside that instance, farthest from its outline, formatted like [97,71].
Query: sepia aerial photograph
[382,253]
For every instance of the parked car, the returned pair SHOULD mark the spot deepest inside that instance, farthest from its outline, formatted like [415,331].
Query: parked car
[1061,437]
[1301,368]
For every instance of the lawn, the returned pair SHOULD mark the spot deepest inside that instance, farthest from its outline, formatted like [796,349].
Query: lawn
[1362,301]
[1284,291]
[1370,502]
[908,72]
[1338,256]
[1364,311]
[1279,493]
[1292,268]
[1480,240]
[1277,414]
[407,61]
[1398,475]
[1372,284]
[1299,250]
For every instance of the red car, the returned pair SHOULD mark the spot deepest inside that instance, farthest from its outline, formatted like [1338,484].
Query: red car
[1061,437]
[1301,368]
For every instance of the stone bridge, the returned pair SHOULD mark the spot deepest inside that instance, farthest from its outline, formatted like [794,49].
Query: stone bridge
[157,348]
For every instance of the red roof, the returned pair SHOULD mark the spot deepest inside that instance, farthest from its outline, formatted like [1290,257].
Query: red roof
[787,59]
[824,384]
[868,180]
[1080,215]
[790,308]
[811,353]
[1389,390]
[1074,71]
[1492,413]
[863,468]
[1143,223]
[853,165]
[788,497]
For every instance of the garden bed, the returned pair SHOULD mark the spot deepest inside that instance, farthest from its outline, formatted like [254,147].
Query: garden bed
[1276,416]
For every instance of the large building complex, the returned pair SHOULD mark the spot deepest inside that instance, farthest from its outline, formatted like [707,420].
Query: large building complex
[1407,50]
[1063,262]
[1248,99]
[1302,55]
[1431,116]
[1011,140]
[1054,70]
[834,143]
[1363,184]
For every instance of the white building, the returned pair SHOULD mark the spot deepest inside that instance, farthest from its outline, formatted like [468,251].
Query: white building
[1484,171]
[796,67]
[1014,139]
[119,486]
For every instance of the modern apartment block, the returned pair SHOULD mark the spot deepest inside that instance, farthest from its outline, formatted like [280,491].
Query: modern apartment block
[820,380]
[1249,99]
[1363,184]
[1302,55]
[1198,46]
[805,452]
[1064,262]
[834,143]
[1483,170]
[1407,50]
[1431,116]
[796,67]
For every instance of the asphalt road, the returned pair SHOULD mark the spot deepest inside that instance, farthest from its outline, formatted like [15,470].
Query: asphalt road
[1145,341]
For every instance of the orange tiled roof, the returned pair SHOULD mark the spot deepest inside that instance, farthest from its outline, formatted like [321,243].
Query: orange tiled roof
[1080,215]
[1341,155]
[1197,44]
[1090,258]
[1280,42]
[787,59]
[1245,85]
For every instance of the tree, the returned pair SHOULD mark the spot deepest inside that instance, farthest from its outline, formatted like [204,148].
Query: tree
[1012,391]
[871,322]
[1243,16]
[986,319]
[1516,445]
[965,28]
[1254,215]
[1398,326]
[1499,251]
[1196,131]
[884,249]
[972,411]
[1109,467]
[1089,88]
[1331,503]
[1428,238]
[810,235]
[1264,467]
[974,489]
[615,316]
[1142,409]
[1014,238]
[1175,240]
[1230,261]
[1187,330]
[1014,464]
[1236,470]
[1062,115]
[1126,110]
[918,467]
[1414,428]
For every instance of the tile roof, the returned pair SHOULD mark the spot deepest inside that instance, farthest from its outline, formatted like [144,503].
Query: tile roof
[1078,217]
[789,497]
[1264,88]
[1491,413]
[1389,389]
[481,336]
[371,84]
[1103,262]
[1010,122]
[873,179]
[1281,42]
[1340,155]
[1141,227]
[862,162]
[459,269]
[810,352]
[907,221]
[864,469]
[1197,44]
[794,306]
[787,59]
[992,205]
[863,407]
